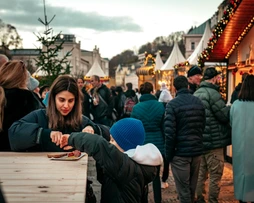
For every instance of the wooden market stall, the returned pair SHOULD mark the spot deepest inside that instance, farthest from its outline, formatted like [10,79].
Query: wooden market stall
[146,72]
[96,70]
[168,71]
[232,43]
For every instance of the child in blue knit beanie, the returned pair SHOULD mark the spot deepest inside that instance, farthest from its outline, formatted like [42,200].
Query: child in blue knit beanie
[128,165]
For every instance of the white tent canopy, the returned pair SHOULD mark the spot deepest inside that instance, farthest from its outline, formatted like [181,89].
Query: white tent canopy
[158,61]
[39,73]
[193,58]
[95,70]
[175,57]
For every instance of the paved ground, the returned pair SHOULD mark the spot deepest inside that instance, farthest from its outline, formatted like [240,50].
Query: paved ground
[169,194]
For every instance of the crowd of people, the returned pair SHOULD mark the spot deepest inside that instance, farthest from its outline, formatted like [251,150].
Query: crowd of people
[134,135]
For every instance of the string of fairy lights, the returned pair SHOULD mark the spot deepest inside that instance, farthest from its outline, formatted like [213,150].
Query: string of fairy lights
[228,13]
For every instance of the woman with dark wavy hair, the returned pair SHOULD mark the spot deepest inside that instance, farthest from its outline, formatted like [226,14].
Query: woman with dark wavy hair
[40,129]
[63,115]
[241,119]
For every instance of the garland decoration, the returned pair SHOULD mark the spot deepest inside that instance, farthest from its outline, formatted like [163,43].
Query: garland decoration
[218,30]
[186,63]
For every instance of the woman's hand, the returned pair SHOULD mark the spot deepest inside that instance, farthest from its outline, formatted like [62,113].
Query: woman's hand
[64,141]
[88,129]
[56,137]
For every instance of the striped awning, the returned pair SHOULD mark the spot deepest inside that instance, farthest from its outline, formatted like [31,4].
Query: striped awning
[146,70]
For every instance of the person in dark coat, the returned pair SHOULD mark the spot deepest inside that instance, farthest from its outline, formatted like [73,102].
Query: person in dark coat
[119,102]
[184,124]
[151,113]
[35,131]
[128,165]
[216,136]
[130,93]
[194,76]
[102,102]
[237,89]
[16,100]
[86,103]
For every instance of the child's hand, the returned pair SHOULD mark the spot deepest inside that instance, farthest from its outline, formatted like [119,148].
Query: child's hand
[88,129]
[56,137]
[64,140]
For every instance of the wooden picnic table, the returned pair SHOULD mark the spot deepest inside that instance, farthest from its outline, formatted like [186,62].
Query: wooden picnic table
[33,177]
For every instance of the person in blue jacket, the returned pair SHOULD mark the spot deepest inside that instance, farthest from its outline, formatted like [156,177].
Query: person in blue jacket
[37,130]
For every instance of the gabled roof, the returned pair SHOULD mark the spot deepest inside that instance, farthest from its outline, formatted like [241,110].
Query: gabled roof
[193,58]
[158,62]
[175,57]
[234,25]
[95,70]
[198,30]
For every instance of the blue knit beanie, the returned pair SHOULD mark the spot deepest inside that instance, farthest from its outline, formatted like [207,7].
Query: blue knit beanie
[128,133]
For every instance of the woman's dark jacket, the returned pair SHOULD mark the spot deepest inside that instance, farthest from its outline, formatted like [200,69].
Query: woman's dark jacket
[19,102]
[217,133]
[86,103]
[119,104]
[124,180]
[103,109]
[31,133]
[184,124]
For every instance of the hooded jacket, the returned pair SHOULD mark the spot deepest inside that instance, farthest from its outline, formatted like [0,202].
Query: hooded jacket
[125,175]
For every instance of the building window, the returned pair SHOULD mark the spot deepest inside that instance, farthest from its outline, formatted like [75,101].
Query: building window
[192,45]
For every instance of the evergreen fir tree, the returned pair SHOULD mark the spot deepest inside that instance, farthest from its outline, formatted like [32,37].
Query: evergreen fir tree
[49,60]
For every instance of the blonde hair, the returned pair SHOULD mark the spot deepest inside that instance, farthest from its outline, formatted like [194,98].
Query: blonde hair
[13,74]
[74,119]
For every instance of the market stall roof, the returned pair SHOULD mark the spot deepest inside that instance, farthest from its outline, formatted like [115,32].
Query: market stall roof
[146,70]
[237,26]
[95,70]
[158,61]
[175,57]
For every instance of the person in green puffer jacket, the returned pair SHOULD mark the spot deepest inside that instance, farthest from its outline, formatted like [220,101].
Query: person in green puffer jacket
[216,136]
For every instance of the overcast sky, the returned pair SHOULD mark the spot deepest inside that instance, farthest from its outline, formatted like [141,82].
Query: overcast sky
[111,25]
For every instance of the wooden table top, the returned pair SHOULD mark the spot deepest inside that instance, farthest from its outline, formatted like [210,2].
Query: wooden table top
[33,177]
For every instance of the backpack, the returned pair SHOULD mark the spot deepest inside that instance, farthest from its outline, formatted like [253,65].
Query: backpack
[128,105]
